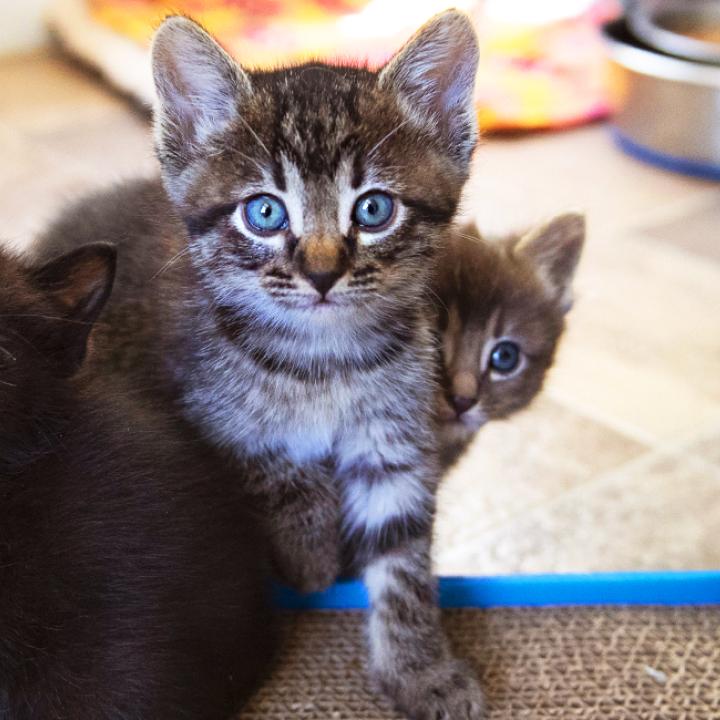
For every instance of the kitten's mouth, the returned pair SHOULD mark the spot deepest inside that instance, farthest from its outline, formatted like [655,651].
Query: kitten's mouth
[313,304]
[324,304]
[472,419]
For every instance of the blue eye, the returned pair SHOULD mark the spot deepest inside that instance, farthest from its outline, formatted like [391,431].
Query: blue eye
[374,210]
[505,357]
[265,214]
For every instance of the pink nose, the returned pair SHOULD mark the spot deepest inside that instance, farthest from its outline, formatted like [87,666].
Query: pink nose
[462,404]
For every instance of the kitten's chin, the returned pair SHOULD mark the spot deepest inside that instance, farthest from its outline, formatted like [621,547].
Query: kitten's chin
[467,424]
[318,309]
[322,309]
[474,419]
[453,433]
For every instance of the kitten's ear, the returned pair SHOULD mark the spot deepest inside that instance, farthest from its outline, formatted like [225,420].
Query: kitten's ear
[78,284]
[434,75]
[554,251]
[199,88]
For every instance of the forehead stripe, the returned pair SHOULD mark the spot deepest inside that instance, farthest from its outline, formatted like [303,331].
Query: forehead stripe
[430,213]
[278,175]
[358,172]
[208,219]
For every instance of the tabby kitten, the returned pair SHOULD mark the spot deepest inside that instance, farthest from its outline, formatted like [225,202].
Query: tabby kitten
[130,573]
[502,309]
[275,288]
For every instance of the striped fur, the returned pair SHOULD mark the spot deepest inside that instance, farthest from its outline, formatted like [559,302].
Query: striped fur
[325,402]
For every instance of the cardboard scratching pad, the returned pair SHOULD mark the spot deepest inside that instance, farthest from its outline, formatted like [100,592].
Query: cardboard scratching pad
[614,663]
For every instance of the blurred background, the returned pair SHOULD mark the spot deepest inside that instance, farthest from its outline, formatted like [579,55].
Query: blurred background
[584,104]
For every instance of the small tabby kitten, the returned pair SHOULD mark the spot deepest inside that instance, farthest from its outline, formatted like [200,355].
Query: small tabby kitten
[131,580]
[275,287]
[502,309]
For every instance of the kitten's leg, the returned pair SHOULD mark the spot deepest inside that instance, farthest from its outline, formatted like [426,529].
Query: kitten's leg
[388,510]
[410,656]
[301,512]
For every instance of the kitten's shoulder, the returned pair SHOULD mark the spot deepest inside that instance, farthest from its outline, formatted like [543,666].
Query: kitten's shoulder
[122,214]
[139,220]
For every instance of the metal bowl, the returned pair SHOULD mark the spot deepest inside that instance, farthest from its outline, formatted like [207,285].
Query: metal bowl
[687,28]
[667,110]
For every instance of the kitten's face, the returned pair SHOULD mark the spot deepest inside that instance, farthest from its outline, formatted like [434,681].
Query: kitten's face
[312,193]
[502,316]
[321,226]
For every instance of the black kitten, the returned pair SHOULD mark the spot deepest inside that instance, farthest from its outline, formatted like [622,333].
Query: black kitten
[131,582]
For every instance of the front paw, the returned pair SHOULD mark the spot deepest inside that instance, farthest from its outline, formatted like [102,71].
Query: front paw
[307,570]
[447,690]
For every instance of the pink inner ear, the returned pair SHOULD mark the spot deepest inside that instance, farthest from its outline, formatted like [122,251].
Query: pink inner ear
[197,82]
[554,251]
[435,73]
[83,282]
[78,282]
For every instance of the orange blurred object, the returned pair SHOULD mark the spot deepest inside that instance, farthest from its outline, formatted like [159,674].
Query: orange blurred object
[533,73]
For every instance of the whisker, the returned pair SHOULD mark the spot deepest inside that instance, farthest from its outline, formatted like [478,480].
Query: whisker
[440,301]
[170,262]
[217,152]
[361,283]
[467,237]
[387,137]
[255,135]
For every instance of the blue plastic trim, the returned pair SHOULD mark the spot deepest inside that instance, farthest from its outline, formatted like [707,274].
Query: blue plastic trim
[706,171]
[631,588]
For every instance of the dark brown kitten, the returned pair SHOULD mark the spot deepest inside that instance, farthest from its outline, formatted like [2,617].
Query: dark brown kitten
[131,574]
[502,307]
[275,288]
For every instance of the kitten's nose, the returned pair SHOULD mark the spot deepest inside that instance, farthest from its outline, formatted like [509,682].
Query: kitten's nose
[462,404]
[323,281]
[323,260]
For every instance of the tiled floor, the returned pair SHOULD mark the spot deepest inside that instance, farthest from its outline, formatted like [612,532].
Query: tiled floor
[617,466]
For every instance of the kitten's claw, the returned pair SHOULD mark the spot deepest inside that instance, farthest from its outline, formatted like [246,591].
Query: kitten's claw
[445,691]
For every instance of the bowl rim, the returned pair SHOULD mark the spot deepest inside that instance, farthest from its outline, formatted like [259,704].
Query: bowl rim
[635,55]
[645,20]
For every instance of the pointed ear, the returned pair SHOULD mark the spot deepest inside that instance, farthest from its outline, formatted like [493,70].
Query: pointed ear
[199,88]
[434,76]
[78,285]
[554,251]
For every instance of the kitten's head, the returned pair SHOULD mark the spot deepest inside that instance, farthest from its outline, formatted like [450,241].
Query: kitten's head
[316,191]
[46,317]
[502,314]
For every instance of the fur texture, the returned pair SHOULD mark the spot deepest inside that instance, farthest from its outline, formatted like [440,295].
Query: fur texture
[306,353]
[515,290]
[131,572]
